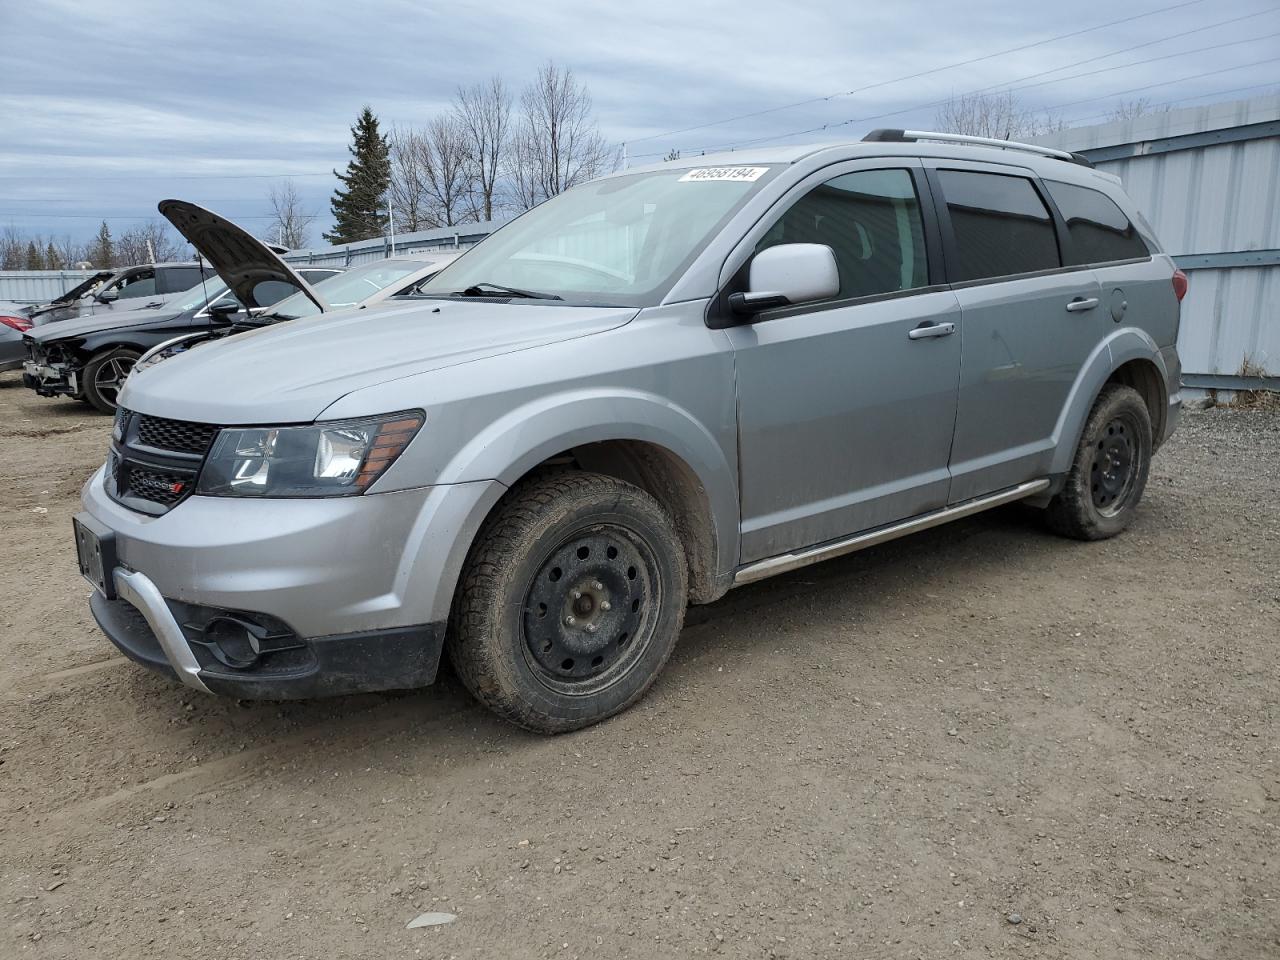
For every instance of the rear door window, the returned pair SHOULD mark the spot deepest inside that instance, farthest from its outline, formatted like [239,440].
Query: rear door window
[1001,226]
[175,279]
[871,221]
[138,285]
[1099,230]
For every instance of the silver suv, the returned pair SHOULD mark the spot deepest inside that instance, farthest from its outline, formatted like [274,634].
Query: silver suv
[652,388]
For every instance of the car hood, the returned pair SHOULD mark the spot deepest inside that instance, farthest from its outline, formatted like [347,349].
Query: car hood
[290,372]
[115,320]
[241,259]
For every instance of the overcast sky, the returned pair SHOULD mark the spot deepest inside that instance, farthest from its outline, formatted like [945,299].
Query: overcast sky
[108,107]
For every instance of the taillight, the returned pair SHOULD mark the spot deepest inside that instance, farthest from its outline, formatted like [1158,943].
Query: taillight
[21,324]
[1179,284]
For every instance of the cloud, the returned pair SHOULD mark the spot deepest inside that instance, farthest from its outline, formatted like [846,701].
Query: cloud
[164,97]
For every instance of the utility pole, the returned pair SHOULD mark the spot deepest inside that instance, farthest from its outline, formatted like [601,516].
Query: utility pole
[391,225]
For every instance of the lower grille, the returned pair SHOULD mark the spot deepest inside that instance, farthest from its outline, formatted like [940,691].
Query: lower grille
[163,488]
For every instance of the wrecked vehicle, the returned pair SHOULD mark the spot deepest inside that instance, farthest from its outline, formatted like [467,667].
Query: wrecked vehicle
[357,288]
[127,289]
[649,389]
[88,358]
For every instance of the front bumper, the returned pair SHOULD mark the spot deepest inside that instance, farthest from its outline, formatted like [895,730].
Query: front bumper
[51,379]
[143,626]
[360,587]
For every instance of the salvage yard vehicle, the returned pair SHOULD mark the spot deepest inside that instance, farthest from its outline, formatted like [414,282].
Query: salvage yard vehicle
[89,358]
[651,388]
[358,288]
[130,288]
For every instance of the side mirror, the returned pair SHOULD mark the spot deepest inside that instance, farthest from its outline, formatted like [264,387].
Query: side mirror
[790,273]
[107,296]
[224,310]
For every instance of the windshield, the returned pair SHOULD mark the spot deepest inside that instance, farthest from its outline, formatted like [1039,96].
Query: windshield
[619,241]
[200,294]
[348,289]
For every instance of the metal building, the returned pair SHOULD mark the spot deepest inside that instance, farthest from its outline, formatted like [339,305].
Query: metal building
[1208,179]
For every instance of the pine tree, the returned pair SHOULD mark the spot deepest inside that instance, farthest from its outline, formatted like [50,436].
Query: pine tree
[35,260]
[357,204]
[51,259]
[102,252]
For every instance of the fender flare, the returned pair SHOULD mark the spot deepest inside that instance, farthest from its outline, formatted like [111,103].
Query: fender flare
[1123,345]
[527,435]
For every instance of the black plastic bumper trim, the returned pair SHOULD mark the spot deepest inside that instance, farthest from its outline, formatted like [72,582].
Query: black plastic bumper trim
[401,658]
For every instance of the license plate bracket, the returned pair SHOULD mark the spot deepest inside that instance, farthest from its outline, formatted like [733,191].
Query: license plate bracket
[96,553]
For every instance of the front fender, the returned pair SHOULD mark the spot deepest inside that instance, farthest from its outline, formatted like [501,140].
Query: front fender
[529,434]
[1124,344]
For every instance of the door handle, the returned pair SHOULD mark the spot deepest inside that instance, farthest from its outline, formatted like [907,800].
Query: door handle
[1080,304]
[931,329]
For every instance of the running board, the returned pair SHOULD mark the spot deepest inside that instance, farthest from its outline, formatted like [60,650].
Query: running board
[792,561]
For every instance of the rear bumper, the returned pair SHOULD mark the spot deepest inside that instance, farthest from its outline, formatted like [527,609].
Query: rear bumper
[144,627]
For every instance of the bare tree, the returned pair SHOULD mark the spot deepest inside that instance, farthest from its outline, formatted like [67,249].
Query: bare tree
[13,249]
[290,223]
[407,188]
[558,143]
[483,115]
[1137,107]
[148,242]
[999,115]
[445,163]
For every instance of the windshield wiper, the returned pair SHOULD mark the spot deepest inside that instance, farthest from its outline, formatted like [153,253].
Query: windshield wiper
[478,290]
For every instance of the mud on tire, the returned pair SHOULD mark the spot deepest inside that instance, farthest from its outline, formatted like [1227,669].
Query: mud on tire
[1109,471]
[570,601]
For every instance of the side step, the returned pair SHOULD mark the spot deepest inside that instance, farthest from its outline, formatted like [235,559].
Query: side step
[838,548]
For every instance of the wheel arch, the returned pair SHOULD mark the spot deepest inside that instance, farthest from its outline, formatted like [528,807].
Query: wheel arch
[640,438]
[1129,356]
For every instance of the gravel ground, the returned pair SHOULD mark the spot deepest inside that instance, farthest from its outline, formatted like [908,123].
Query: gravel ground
[980,741]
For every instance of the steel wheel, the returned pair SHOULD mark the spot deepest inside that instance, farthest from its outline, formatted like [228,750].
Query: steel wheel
[587,610]
[1114,471]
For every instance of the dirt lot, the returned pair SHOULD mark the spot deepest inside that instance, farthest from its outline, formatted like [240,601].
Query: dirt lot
[890,755]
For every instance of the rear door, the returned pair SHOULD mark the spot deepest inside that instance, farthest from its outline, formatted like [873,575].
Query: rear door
[846,406]
[1029,323]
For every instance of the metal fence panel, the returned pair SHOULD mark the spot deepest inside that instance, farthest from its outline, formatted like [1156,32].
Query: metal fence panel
[39,286]
[1208,179]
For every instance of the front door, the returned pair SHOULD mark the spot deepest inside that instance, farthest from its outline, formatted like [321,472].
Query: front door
[1030,324]
[846,407]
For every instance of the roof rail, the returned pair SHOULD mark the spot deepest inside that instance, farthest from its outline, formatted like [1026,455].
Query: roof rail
[885,135]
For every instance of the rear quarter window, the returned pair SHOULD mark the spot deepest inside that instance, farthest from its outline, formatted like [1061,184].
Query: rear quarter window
[1100,232]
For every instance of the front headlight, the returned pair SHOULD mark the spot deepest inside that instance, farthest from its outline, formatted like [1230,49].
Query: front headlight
[334,459]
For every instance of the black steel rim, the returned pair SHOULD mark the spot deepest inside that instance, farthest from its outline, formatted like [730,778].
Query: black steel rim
[1117,457]
[590,609]
[110,377]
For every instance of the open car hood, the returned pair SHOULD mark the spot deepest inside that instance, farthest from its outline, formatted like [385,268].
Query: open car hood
[243,261]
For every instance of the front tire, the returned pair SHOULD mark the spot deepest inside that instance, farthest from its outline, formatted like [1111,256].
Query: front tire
[105,374]
[570,602]
[1109,472]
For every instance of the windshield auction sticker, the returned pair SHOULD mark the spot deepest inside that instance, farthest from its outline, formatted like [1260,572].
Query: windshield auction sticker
[747,174]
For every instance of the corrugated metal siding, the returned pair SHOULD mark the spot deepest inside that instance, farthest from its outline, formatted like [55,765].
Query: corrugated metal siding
[38,286]
[366,251]
[1207,198]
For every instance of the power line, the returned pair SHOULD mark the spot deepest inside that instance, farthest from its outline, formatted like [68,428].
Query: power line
[1275,85]
[920,106]
[915,76]
[163,176]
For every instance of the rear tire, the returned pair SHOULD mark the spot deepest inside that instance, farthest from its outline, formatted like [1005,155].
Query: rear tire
[570,602]
[105,374]
[1109,472]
